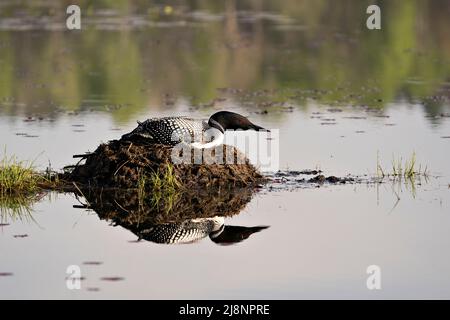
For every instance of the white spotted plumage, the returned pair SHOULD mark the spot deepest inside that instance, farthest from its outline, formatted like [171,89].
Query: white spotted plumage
[173,130]
[187,231]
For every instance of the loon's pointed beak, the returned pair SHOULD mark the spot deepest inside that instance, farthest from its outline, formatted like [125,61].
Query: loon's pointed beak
[258,128]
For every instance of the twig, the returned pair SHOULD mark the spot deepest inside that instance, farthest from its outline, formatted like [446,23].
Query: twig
[121,206]
[121,166]
[396,203]
[81,193]
[83,206]
[85,155]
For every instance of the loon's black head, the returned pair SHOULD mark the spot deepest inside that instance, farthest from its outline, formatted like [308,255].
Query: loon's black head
[228,235]
[226,120]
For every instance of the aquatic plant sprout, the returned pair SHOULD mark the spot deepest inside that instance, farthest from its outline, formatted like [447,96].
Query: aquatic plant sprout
[402,169]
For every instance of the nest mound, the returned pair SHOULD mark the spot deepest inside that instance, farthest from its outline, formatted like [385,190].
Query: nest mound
[121,164]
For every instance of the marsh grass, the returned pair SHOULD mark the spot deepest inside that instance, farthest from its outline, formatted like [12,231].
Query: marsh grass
[22,178]
[21,186]
[164,180]
[159,187]
[404,175]
[400,168]
[18,177]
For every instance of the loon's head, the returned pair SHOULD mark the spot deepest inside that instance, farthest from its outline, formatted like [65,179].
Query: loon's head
[226,120]
[228,235]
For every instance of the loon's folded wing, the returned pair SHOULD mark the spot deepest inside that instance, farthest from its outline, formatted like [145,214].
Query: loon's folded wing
[173,233]
[169,130]
[188,231]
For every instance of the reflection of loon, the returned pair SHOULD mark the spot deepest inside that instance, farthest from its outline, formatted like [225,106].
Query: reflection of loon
[172,130]
[192,230]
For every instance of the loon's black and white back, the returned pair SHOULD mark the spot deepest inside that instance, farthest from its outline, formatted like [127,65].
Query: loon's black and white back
[199,133]
[187,231]
[170,130]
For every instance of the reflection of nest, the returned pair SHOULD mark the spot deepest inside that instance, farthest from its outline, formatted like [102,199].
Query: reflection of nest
[175,218]
[129,210]
[119,164]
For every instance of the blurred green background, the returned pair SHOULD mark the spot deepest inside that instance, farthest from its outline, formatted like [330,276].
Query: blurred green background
[132,55]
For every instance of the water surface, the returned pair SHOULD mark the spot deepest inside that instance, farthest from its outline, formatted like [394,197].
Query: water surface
[341,96]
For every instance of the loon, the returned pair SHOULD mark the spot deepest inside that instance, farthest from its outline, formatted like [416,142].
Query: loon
[198,133]
[192,230]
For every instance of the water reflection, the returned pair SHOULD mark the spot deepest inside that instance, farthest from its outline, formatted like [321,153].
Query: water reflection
[174,218]
[135,56]
[192,230]
[19,207]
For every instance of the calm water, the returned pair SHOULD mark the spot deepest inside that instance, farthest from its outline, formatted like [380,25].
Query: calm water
[341,97]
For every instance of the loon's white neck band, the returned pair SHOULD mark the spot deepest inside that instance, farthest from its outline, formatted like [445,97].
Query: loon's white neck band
[218,232]
[218,140]
[214,124]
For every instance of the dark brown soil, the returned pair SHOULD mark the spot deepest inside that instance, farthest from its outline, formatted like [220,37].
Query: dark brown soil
[119,164]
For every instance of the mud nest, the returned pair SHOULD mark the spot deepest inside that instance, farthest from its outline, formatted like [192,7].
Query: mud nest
[123,164]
